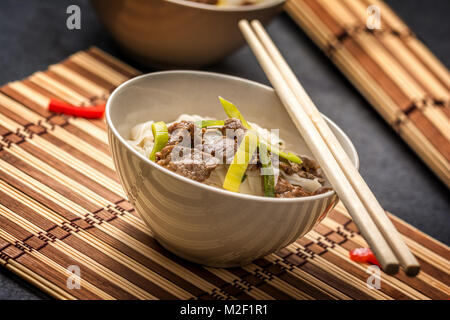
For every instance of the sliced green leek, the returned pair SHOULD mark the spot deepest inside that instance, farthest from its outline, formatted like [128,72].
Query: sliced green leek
[241,159]
[285,155]
[209,123]
[268,173]
[160,138]
[233,112]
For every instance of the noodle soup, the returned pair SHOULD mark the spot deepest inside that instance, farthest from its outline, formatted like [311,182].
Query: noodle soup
[232,154]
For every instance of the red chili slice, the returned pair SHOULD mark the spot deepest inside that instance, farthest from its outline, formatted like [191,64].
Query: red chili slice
[89,112]
[364,255]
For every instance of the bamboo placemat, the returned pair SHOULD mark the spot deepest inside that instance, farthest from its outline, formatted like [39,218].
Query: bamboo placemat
[61,205]
[395,71]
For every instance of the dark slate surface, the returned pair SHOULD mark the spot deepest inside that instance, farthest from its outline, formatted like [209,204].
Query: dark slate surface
[34,35]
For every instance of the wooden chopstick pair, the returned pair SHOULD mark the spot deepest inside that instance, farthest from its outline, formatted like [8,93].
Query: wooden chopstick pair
[351,188]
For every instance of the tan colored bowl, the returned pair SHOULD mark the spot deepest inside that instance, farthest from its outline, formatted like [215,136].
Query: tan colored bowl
[180,33]
[198,222]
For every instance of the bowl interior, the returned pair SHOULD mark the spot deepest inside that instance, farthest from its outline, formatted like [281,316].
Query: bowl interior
[163,96]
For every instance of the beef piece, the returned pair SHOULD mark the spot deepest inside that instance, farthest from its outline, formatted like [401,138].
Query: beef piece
[215,144]
[234,128]
[288,168]
[233,132]
[226,146]
[291,168]
[179,131]
[233,124]
[311,166]
[322,190]
[224,149]
[309,169]
[186,125]
[284,189]
[191,163]
[210,138]
[163,157]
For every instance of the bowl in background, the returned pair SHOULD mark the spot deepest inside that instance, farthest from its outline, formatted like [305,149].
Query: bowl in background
[164,33]
[198,222]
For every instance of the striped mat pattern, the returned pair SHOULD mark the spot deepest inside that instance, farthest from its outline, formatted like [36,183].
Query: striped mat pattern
[62,205]
[391,68]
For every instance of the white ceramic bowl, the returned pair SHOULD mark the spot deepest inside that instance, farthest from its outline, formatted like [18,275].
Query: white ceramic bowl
[198,222]
[162,33]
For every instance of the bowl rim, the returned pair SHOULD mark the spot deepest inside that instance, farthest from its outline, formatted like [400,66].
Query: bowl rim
[203,185]
[228,8]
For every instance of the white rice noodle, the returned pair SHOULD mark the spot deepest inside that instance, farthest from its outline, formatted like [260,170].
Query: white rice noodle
[251,185]
[268,136]
[141,138]
[309,184]
[190,117]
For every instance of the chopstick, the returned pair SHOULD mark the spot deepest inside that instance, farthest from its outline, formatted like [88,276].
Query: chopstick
[330,155]
[377,213]
[322,154]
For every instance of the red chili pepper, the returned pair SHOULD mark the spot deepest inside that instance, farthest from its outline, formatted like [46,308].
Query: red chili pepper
[89,112]
[364,255]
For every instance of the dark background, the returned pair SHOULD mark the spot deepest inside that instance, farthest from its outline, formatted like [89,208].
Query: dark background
[33,34]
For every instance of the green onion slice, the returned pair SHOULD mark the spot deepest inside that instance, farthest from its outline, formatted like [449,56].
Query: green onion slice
[269,176]
[285,155]
[209,123]
[233,112]
[241,159]
[160,138]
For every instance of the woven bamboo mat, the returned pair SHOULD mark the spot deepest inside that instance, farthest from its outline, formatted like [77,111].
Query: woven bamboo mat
[61,205]
[395,71]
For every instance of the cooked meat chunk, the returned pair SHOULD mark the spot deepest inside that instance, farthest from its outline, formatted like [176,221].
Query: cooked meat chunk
[233,124]
[289,168]
[186,125]
[191,163]
[224,149]
[233,128]
[322,190]
[284,189]
[309,169]
[163,157]
[184,130]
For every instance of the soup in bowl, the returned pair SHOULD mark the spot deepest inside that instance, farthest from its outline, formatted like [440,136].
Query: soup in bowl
[198,221]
